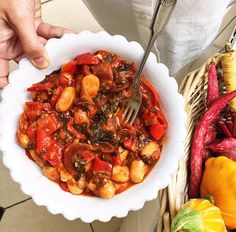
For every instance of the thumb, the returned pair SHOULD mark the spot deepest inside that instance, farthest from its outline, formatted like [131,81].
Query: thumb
[31,45]
[4,69]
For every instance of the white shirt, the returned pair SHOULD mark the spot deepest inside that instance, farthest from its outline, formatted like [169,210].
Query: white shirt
[191,29]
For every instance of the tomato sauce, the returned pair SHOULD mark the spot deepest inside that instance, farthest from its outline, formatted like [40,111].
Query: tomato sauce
[74,126]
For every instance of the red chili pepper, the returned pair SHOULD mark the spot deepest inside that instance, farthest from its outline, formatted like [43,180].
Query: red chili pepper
[41,87]
[73,131]
[101,166]
[213,89]
[87,58]
[230,126]
[225,129]
[210,135]
[56,94]
[66,80]
[223,145]
[209,138]
[70,67]
[54,154]
[148,86]
[43,140]
[230,154]
[197,148]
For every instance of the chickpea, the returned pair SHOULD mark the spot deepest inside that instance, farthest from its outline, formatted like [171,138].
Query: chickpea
[92,186]
[123,153]
[90,85]
[66,99]
[76,187]
[64,175]
[22,139]
[137,171]
[51,173]
[36,158]
[107,191]
[120,173]
[151,150]
[80,117]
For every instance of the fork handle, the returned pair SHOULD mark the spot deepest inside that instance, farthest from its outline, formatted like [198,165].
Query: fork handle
[159,19]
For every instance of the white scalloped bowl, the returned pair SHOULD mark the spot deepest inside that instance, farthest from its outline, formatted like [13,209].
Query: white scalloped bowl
[46,193]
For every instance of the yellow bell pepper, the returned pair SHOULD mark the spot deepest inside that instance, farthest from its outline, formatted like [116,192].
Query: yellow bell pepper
[198,215]
[219,181]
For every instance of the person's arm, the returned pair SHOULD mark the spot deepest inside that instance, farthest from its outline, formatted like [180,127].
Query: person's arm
[23,34]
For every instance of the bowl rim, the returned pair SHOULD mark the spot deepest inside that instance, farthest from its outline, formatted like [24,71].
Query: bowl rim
[133,204]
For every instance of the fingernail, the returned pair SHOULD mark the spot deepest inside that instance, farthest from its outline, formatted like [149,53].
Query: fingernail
[41,62]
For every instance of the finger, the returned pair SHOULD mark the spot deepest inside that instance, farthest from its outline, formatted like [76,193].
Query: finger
[22,55]
[4,71]
[48,31]
[42,40]
[34,50]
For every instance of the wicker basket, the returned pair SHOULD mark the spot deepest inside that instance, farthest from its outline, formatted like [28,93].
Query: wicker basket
[193,88]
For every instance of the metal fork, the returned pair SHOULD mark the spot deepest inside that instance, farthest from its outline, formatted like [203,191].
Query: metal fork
[160,18]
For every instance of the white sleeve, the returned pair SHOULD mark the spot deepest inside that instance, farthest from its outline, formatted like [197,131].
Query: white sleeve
[191,29]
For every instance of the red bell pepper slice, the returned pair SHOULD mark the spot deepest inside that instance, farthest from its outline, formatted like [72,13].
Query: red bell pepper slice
[32,131]
[34,109]
[70,67]
[54,154]
[116,160]
[103,53]
[86,70]
[117,61]
[149,117]
[148,86]
[100,166]
[49,123]
[73,131]
[121,187]
[87,156]
[130,144]
[157,131]
[41,87]
[55,96]
[64,186]
[161,119]
[33,115]
[87,58]
[43,140]
[65,80]
[34,106]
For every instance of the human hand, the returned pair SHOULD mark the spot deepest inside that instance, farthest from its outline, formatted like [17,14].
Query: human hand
[23,34]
